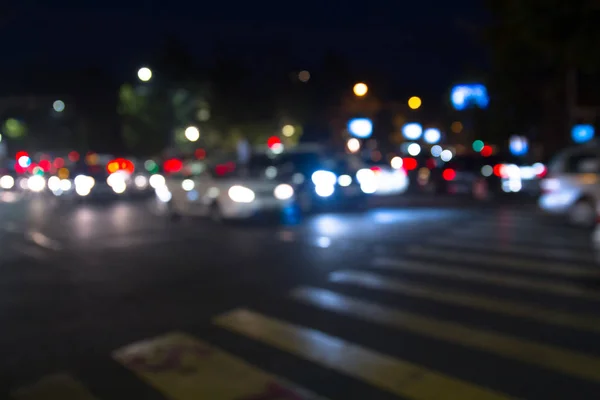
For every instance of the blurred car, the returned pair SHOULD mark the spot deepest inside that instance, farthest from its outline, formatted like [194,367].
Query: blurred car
[485,177]
[572,188]
[388,180]
[224,191]
[91,182]
[321,180]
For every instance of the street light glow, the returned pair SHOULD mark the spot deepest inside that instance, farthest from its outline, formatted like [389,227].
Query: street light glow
[144,74]
[58,105]
[192,133]
[288,130]
[353,145]
[360,89]
[414,102]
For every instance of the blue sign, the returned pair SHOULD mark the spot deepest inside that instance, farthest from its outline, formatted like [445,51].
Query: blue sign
[518,145]
[582,133]
[412,131]
[432,135]
[360,127]
[469,95]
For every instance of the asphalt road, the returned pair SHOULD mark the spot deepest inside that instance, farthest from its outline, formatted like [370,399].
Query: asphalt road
[434,302]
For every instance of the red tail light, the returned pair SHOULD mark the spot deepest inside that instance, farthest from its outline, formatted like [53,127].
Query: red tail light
[410,164]
[499,171]
[449,174]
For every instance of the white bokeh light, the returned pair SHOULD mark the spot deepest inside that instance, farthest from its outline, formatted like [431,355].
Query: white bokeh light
[446,155]
[412,131]
[144,74]
[192,133]
[414,149]
[432,135]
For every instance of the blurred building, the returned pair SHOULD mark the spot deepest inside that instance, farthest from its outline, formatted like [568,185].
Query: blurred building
[57,110]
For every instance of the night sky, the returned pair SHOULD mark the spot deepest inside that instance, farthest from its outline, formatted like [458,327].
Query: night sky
[426,42]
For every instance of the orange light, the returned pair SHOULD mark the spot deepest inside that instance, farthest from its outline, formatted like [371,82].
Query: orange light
[63,173]
[112,167]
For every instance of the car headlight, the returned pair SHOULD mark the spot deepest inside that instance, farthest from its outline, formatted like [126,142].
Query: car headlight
[241,194]
[7,182]
[36,183]
[324,190]
[324,178]
[345,180]
[65,185]
[82,190]
[84,181]
[163,194]
[365,176]
[157,181]
[283,192]
[188,185]
[119,186]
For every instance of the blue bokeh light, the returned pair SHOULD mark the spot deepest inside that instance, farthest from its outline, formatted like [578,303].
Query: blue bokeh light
[518,145]
[582,133]
[469,95]
[412,131]
[360,127]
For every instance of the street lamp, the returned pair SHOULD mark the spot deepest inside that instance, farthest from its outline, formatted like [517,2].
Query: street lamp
[192,133]
[360,89]
[144,74]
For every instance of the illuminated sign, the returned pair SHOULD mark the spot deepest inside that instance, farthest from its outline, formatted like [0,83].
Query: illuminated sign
[469,95]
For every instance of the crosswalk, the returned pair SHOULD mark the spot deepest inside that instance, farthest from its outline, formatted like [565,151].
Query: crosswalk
[470,314]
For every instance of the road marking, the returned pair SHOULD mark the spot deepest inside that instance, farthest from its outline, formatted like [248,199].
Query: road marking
[466,274]
[396,376]
[43,241]
[59,387]
[507,237]
[184,368]
[561,360]
[30,250]
[498,261]
[510,308]
[515,249]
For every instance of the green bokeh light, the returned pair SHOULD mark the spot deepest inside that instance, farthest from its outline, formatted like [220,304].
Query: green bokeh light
[478,145]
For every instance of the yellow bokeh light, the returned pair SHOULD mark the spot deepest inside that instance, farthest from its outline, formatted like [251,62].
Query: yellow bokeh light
[360,89]
[63,173]
[456,127]
[92,159]
[414,102]
[288,130]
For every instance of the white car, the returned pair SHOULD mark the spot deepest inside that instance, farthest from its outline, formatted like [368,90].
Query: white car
[229,195]
[572,186]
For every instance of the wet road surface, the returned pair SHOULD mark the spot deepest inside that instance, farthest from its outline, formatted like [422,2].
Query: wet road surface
[118,302]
